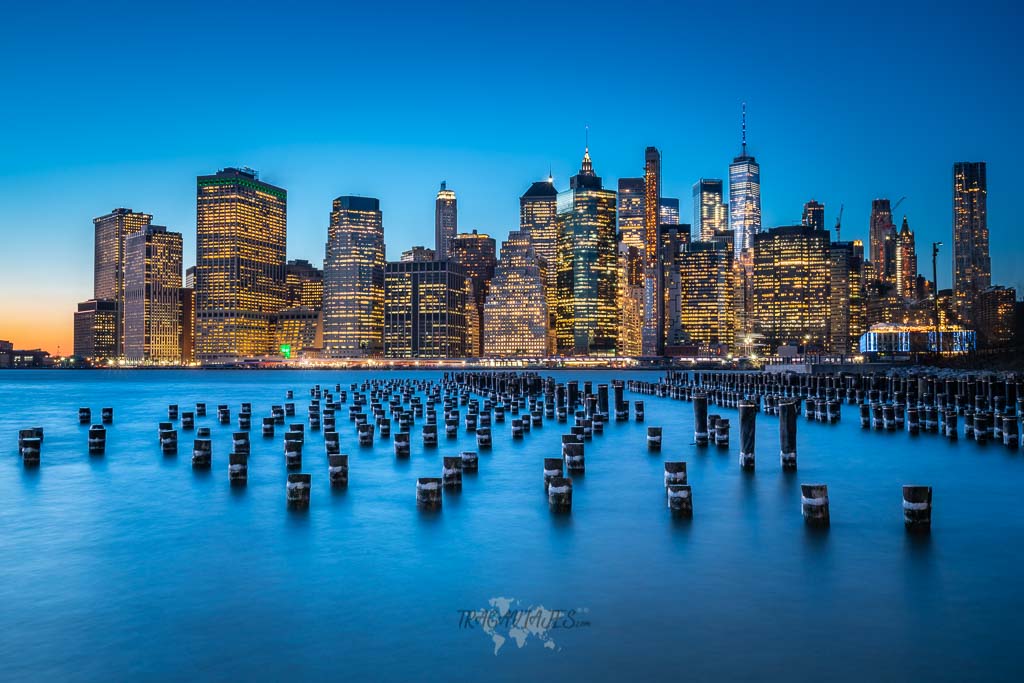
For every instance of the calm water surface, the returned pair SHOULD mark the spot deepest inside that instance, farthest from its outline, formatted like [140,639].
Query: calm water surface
[131,565]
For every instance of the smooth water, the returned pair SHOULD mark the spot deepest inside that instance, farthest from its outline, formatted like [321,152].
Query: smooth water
[132,565]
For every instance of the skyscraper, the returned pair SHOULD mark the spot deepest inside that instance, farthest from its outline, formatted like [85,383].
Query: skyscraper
[152,302]
[709,213]
[111,231]
[241,240]
[538,217]
[744,196]
[654,304]
[587,317]
[630,289]
[419,253]
[668,211]
[882,240]
[446,221]
[707,290]
[305,285]
[906,262]
[96,329]
[672,239]
[846,305]
[476,252]
[425,313]
[353,309]
[516,313]
[972,265]
[792,270]
[630,212]
[814,215]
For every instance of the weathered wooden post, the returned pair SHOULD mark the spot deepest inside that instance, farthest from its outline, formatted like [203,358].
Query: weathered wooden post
[917,508]
[680,500]
[814,503]
[865,415]
[238,469]
[240,442]
[787,434]
[429,436]
[29,446]
[97,440]
[292,450]
[700,419]
[268,426]
[428,493]
[722,432]
[84,416]
[451,472]
[365,434]
[337,469]
[223,414]
[560,494]
[200,409]
[172,412]
[572,453]
[1011,431]
[748,424]
[106,415]
[552,469]
[638,411]
[483,437]
[675,473]
[168,441]
[654,438]
[517,428]
[297,491]
[470,462]
[202,454]
[402,443]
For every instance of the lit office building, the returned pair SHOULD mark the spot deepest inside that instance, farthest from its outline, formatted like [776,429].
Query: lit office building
[305,285]
[97,332]
[882,241]
[630,212]
[791,285]
[111,231]
[425,315]
[631,300]
[516,313]
[847,314]
[668,211]
[709,211]
[906,262]
[418,253]
[707,290]
[241,239]
[744,196]
[446,221]
[814,215]
[972,265]
[654,304]
[587,319]
[538,217]
[152,296]
[298,331]
[476,253]
[673,238]
[353,308]
[995,311]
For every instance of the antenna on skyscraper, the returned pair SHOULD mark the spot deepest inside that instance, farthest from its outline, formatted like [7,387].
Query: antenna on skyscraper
[586,137]
[744,129]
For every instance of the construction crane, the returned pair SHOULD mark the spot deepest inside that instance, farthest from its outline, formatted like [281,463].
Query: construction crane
[839,221]
[897,205]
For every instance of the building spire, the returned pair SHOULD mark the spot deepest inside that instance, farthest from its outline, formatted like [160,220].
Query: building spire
[744,125]
[587,168]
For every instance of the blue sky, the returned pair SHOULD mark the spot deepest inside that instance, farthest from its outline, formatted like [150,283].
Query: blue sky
[124,104]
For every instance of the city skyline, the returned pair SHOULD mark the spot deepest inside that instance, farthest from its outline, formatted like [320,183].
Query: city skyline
[846,151]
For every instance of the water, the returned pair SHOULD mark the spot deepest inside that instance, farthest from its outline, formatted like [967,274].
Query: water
[131,565]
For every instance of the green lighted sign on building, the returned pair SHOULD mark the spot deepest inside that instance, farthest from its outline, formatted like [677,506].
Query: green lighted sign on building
[286,350]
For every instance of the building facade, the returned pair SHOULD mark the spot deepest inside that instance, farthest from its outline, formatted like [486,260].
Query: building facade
[305,285]
[709,210]
[418,253]
[630,212]
[587,318]
[241,242]
[882,241]
[97,332]
[446,221]
[906,262]
[668,211]
[354,262]
[654,298]
[847,314]
[630,288]
[425,315]
[995,314]
[972,265]
[152,302]
[814,215]
[111,233]
[476,252]
[792,270]
[744,196]
[707,290]
[538,217]
[516,314]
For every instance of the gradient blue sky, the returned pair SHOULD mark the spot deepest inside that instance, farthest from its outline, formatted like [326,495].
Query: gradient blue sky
[124,103]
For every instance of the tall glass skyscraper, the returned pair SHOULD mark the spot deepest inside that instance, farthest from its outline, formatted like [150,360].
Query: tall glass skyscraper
[241,239]
[972,265]
[152,310]
[425,314]
[744,196]
[882,240]
[588,316]
[112,231]
[631,212]
[709,214]
[516,313]
[476,252]
[906,262]
[353,310]
[538,218]
[446,222]
[654,305]
[668,211]
[814,215]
